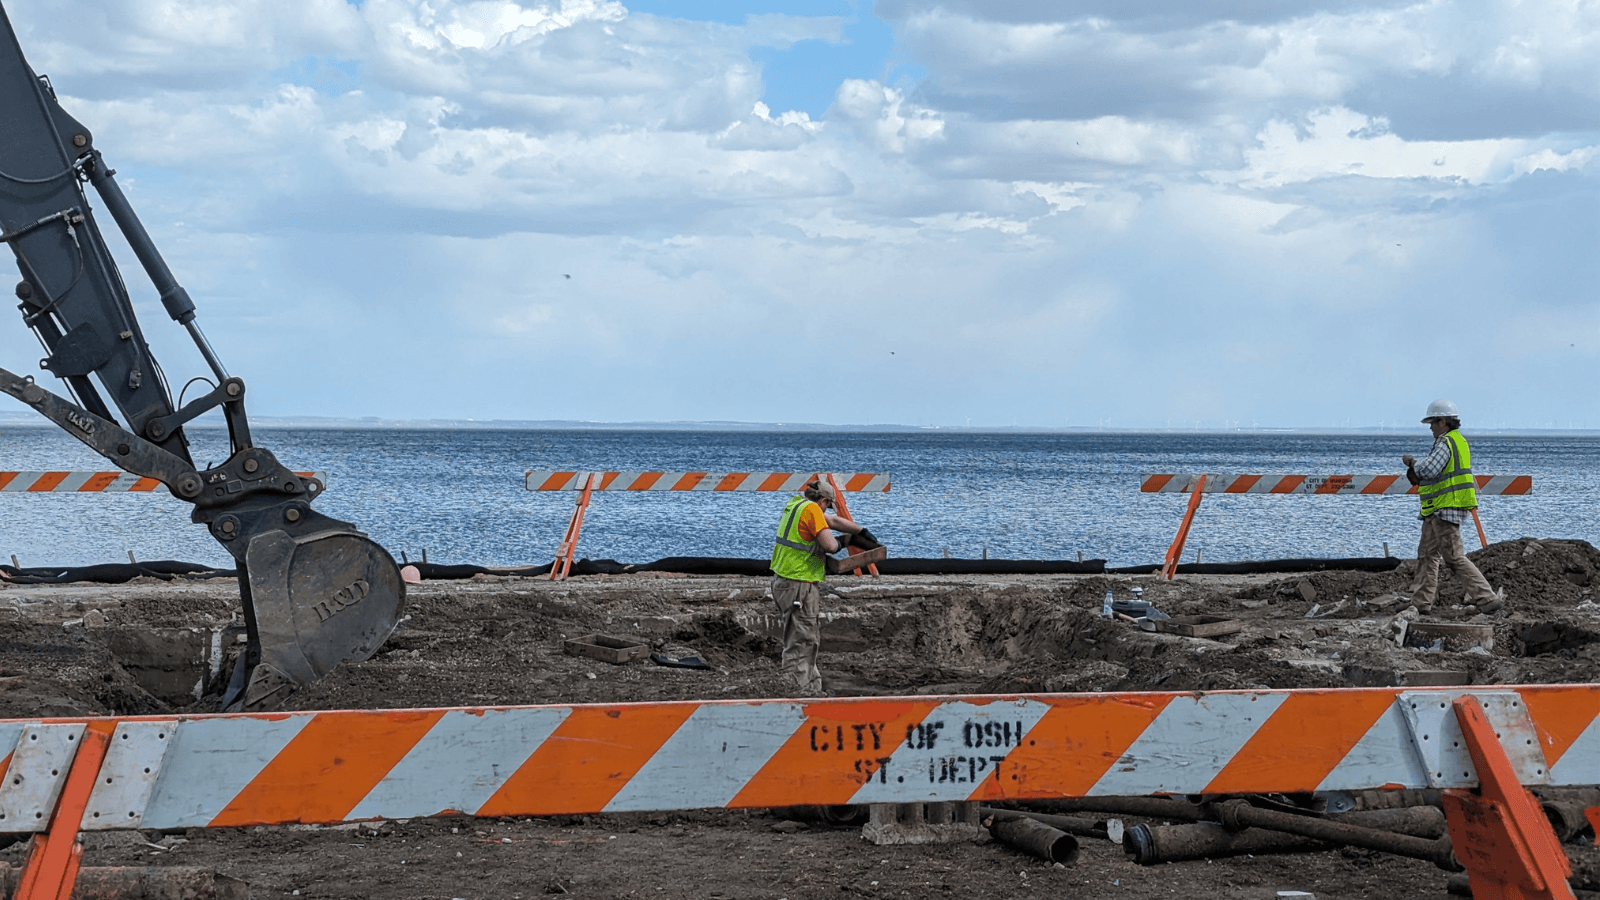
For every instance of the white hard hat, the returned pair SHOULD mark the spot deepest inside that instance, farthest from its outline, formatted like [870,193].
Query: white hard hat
[823,486]
[1441,409]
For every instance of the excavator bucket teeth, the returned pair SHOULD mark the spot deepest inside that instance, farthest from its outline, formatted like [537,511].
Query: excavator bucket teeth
[318,600]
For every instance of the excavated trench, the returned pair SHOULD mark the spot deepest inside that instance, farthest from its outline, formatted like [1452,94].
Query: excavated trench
[144,648]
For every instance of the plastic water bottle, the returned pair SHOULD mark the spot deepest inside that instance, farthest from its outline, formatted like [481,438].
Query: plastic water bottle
[1105,607]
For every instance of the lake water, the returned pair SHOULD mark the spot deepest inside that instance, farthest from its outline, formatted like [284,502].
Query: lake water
[459,494]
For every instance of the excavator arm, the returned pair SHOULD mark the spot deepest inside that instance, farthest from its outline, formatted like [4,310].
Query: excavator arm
[316,592]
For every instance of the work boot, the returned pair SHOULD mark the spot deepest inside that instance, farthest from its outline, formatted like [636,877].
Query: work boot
[1493,604]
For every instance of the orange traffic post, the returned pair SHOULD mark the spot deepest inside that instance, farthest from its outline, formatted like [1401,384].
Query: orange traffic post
[1175,552]
[1500,833]
[1593,815]
[844,512]
[562,567]
[52,866]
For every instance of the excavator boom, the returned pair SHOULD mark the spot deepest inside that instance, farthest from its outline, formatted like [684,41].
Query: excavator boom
[316,592]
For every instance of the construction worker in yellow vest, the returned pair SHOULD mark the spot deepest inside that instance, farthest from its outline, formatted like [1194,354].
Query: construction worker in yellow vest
[1449,495]
[798,568]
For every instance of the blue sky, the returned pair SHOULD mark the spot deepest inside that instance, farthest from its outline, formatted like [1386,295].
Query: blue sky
[1075,212]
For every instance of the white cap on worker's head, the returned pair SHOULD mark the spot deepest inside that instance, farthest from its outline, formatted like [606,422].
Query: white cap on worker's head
[1441,409]
[823,486]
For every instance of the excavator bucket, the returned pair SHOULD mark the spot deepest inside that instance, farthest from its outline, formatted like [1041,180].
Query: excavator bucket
[316,591]
[312,602]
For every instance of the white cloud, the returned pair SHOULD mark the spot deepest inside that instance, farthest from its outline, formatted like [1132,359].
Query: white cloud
[1092,200]
[1342,142]
[1554,161]
[884,118]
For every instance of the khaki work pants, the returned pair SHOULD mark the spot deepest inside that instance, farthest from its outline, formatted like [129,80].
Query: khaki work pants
[800,606]
[1441,542]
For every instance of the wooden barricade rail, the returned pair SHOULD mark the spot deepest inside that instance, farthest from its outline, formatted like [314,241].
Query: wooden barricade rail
[1480,744]
[586,483]
[1196,485]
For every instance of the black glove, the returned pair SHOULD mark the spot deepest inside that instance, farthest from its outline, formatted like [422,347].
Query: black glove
[865,540]
[1411,475]
[843,539]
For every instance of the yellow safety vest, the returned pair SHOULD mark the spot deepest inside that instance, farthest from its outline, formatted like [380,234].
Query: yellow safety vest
[1454,487]
[793,558]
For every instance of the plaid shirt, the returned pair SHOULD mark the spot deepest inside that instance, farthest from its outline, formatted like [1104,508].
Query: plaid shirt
[1438,459]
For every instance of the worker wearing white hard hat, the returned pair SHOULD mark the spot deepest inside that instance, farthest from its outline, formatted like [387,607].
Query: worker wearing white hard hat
[798,567]
[1449,494]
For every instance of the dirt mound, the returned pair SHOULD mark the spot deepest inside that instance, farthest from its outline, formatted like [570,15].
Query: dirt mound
[1543,575]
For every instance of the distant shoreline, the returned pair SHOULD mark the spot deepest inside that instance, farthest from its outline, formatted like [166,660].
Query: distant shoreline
[27,420]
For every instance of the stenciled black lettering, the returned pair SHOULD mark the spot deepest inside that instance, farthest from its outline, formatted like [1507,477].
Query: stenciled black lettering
[342,599]
[861,739]
[877,735]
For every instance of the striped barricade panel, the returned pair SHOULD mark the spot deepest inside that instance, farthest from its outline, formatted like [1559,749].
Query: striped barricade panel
[91,482]
[573,480]
[233,770]
[1504,485]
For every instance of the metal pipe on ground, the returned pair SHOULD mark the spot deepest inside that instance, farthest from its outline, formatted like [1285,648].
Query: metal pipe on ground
[1035,838]
[1352,801]
[1568,819]
[142,883]
[1144,807]
[1151,844]
[852,815]
[1104,829]
[1580,796]
[1237,815]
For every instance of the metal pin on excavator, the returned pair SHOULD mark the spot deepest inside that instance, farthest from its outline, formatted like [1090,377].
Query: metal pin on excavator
[316,592]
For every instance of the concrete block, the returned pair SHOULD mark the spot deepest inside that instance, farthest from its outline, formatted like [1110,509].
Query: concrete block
[950,822]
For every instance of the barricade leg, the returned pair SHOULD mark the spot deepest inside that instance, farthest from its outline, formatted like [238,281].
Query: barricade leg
[844,511]
[562,567]
[52,866]
[1483,539]
[1175,552]
[1500,834]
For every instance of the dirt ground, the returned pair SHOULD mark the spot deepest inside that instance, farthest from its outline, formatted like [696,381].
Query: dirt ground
[143,647]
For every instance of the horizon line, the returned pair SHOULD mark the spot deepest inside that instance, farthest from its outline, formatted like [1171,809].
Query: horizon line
[24,419]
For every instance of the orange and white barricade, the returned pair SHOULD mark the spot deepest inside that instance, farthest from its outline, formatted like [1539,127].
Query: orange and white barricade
[91,482]
[1319,485]
[1481,745]
[586,483]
